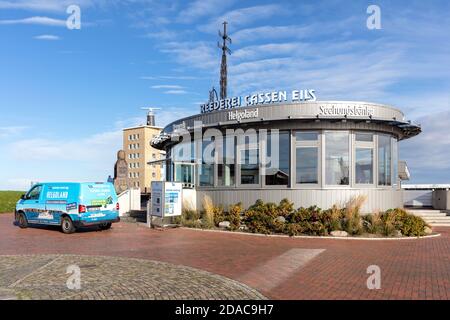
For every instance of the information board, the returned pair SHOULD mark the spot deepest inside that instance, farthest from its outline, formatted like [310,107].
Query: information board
[166,199]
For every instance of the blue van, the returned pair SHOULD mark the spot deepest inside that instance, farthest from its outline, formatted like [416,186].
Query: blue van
[69,205]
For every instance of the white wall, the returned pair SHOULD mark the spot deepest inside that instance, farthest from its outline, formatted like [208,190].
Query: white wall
[418,198]
[129,200]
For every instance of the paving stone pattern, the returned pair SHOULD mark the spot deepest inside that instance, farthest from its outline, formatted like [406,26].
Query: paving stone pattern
[45,277]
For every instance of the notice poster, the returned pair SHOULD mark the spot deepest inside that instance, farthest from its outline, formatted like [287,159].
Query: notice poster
[157,199]
[172,199]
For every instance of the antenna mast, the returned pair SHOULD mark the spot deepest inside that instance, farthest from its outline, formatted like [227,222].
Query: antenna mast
[223,66]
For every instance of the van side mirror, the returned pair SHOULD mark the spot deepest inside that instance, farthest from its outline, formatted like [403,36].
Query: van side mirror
[23,197]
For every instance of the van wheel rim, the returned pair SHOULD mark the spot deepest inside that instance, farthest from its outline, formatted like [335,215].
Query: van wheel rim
[66,225]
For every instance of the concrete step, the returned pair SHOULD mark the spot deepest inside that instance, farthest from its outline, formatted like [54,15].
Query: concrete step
[434,222]
[427,211]
[431,216]
[136,216]
[434,218]
[440,224]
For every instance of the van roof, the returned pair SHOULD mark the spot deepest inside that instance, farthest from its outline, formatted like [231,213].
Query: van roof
[72,183]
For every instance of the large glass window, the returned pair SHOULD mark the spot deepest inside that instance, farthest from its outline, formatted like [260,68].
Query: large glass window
[206,173]
[307,157]
[384,160]
[364,166]
[226,166]
[364,137]
[307,165]
[183,158]
[249,159]
[303,136]
[184,173]
[337,158]
[277,171]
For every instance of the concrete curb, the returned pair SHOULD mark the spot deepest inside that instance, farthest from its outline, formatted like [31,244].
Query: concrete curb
[315,237]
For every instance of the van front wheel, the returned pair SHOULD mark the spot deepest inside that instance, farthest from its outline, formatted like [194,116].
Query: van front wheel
[67,225]
[22,220]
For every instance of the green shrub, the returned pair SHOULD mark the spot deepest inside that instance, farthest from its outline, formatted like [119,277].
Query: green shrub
[263,218]
[413,226]
[305,214]
[234,216]
[190,215]
[409,224]
[373,223]
[332,218]
[308,220]
[189,218]
[285,208]
[258,221]
[294,229]
[260,218]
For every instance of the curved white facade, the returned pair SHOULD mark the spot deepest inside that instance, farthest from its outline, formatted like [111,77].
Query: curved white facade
[313,153]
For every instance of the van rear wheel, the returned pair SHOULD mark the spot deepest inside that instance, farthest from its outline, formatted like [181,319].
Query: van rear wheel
[106,226]
[22,220]
[67,225]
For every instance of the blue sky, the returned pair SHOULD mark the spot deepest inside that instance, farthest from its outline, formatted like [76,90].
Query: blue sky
[66,94]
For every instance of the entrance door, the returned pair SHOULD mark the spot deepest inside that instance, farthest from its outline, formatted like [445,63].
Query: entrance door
[184,172]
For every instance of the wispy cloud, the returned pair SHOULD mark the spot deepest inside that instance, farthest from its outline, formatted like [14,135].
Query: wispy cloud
[48,37]
[46,21]
[176,92]
[46,5]
[430,164]
[11,131]
[91,158]
[169,77]
[162,35]
[243,16]
[293,32]
[101,146]
[167,86]
[201,8]
[195,54]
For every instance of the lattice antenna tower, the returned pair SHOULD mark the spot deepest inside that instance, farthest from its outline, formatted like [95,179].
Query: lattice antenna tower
[223,67]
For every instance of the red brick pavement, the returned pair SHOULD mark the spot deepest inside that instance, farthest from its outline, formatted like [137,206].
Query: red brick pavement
[410,269]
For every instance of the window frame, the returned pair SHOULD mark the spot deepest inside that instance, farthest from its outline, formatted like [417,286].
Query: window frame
[261,168]
[222,144]
[199,156]
[378,185]
[371,145]
[306,144]
[324,184]
[239,148]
